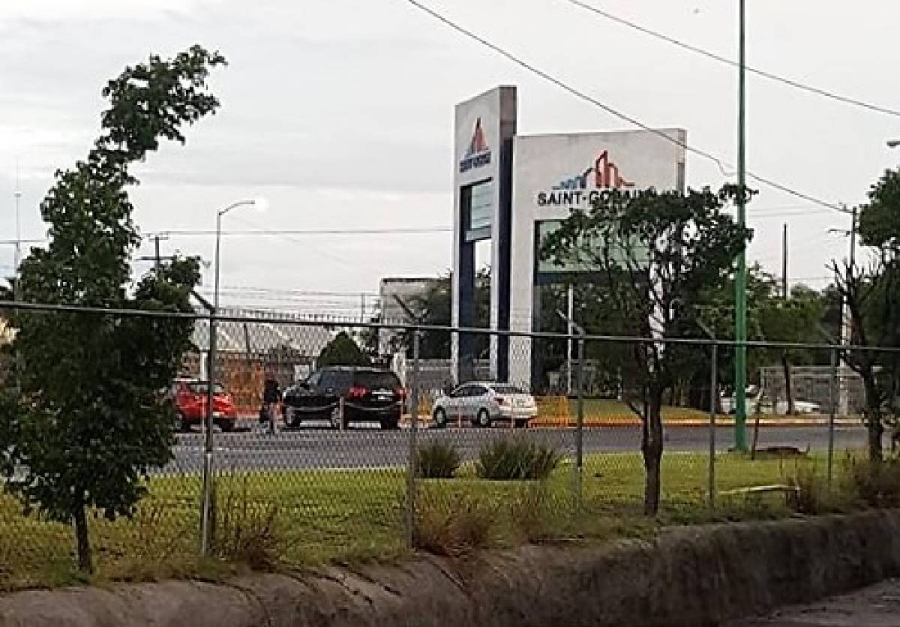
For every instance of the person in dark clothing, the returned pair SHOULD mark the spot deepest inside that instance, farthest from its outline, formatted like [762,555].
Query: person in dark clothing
[271,398]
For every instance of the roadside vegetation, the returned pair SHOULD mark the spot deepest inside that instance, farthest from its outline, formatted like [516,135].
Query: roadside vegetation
[282,520]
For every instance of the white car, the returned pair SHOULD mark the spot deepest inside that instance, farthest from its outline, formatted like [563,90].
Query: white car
[754,401]
[483,403]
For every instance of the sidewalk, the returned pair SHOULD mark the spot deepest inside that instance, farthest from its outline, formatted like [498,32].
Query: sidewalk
[598,422]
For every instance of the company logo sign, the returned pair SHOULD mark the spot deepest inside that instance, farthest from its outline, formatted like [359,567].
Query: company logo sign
[587,186]
[478,153]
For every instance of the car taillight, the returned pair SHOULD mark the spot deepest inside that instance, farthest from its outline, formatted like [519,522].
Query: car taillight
[401,394]
[357,392]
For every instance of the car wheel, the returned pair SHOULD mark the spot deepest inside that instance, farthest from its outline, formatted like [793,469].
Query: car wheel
[390,424]
[484,418]
[521,423]
[180,423]
[440,418]
[337,420]
[226,425]
[291,420]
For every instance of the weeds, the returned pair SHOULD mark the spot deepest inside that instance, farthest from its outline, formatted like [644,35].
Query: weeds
[536,515]
[437,460]
[809,493]
[512,459]
[248,532]
[874,484]
[453,523]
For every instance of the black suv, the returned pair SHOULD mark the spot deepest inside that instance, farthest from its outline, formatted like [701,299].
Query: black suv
[343,395]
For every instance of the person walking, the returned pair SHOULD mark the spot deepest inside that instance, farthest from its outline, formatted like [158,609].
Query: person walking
[271,398]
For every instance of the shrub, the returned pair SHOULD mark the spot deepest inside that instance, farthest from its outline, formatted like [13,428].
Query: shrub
[875,484]
[516,458]
[248,532]
[437,460]
[452,523]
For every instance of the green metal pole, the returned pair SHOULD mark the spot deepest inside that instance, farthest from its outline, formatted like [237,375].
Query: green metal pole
[740,280]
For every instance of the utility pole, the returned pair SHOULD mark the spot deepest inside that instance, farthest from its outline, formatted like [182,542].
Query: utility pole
[570,331]
[740,279]
[784,263]
[846,332]
[157,257]
[17,193]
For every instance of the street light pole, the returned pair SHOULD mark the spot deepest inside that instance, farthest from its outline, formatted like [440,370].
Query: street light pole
[208,492]
[740,279]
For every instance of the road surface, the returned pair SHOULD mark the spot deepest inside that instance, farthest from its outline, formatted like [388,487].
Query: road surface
[312,447]
[877,606]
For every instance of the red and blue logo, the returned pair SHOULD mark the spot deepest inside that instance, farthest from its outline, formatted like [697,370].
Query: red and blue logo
[478,153]
[586,187]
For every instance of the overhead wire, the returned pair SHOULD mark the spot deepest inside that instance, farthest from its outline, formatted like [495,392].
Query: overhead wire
[615,112]
[722,59]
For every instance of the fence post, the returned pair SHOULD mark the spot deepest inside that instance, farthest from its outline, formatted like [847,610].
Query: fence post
[413,444]
[832,398]
[713,407]
[206,513]
[579,427]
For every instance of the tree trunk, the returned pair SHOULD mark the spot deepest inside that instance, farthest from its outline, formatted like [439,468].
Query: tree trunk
[83,541]
[788,384]
[874,423]
[652,449]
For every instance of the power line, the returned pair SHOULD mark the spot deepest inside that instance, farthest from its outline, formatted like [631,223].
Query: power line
[615,112]
[721,59]
[291,232]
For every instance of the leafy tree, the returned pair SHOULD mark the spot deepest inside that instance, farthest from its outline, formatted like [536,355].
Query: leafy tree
[795,320]
[434,308]
[871,292]
[342,351]
[657,252]
[89,423]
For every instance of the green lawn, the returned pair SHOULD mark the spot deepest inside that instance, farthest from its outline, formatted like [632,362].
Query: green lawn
[333,516]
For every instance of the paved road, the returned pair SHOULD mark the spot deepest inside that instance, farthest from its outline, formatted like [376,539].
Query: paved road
[877,606]
[372,448]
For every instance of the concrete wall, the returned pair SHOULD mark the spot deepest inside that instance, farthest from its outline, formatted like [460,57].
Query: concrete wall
[692,576]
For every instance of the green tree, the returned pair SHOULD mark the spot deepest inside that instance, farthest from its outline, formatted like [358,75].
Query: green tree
[434,308]
[88,423]
[342,351]
[657,252]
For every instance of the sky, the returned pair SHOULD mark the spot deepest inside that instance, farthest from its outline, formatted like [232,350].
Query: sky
[339,113]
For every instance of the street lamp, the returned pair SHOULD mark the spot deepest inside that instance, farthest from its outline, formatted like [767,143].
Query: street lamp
[206,514]
[260,204]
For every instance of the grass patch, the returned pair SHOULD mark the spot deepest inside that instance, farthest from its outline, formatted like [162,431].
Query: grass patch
[301,518]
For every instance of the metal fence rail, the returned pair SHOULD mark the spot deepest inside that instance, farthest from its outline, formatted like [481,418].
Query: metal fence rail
[341,480]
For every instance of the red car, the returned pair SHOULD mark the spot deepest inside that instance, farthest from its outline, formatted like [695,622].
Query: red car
[190,397]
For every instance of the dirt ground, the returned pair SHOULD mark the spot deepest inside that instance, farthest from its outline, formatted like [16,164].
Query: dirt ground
[877,606]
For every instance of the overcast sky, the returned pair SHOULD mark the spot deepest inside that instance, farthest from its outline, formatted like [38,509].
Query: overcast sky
[339,113]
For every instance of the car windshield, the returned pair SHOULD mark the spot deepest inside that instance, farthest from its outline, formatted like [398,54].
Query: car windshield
[506,389]
[376,380]
[201,387]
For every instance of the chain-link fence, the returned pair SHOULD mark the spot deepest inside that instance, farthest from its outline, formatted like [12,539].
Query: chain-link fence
[366,455]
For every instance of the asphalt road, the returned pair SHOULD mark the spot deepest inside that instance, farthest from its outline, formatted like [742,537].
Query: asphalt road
[312,448]
[877,606]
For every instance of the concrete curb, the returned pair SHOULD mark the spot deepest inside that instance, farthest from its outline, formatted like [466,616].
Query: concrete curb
[687,577]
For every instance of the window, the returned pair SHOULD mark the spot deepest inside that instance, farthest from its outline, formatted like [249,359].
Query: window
[377,380]
[462,391]
[477,201]
[314,379]
[201,387]
[504,388]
